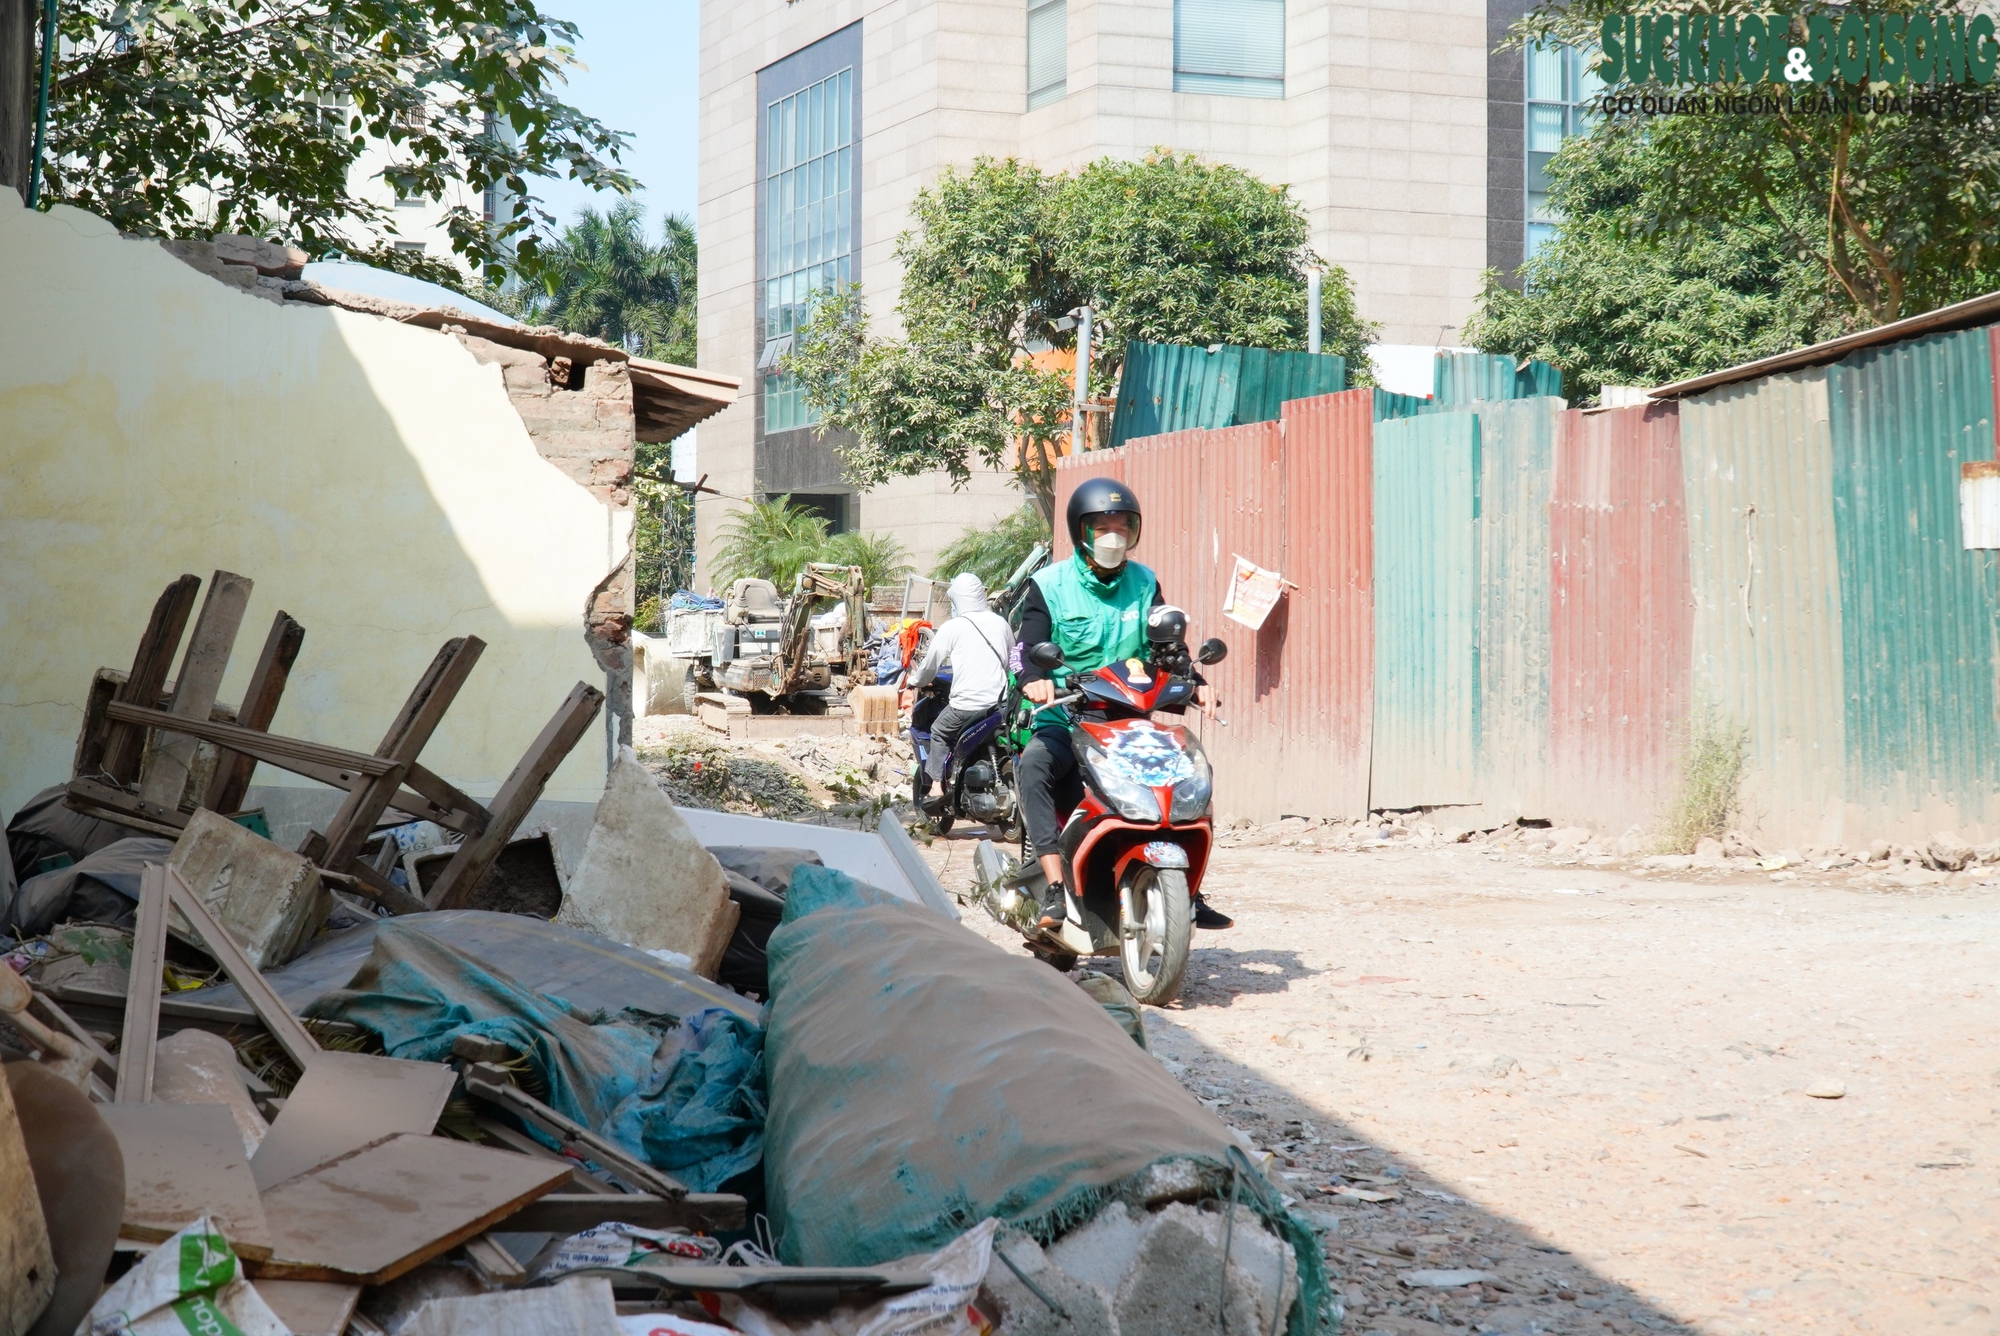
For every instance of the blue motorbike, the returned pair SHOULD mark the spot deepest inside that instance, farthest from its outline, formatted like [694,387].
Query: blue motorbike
[978,782]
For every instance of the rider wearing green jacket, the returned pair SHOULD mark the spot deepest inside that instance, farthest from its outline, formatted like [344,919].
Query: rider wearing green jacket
[1093,607]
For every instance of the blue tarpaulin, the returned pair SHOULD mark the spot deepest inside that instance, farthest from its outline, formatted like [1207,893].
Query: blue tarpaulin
[687,1097]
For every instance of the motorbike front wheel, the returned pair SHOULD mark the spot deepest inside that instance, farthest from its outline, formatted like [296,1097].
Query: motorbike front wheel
[1155,920]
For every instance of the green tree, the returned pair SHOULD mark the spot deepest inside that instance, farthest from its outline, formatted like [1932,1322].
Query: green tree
[192,117]
[605,279]
[994,552]
[1170,249]
[1610,305]
[1896,207]
[881,558]
[663,541]
[769,540]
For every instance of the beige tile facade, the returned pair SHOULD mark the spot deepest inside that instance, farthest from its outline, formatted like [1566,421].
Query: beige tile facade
[1382,136]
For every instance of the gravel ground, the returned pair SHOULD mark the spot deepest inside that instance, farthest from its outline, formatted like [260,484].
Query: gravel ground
[1586,1074]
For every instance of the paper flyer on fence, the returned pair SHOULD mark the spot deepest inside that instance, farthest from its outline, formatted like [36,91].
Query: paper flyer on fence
[1253,592]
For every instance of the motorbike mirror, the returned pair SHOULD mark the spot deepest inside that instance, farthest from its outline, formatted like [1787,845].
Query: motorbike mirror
[1048,654]
[1212,651]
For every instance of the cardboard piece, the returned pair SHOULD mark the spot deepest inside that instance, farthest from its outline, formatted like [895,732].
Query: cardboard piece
[27,1266]
[346,1101]
[267,897]
[644,878]
[311,1307]
[197,1067]
[183,1161]
[390,1207]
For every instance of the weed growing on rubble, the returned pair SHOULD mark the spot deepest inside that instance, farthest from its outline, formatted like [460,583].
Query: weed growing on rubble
[1711,772]
[699,771]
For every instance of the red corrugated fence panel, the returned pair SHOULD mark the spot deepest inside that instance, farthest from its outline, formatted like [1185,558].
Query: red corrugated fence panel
[1621,619]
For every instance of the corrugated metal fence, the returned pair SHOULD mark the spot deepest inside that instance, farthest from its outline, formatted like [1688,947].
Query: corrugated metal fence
[1509,603]
[1166,388]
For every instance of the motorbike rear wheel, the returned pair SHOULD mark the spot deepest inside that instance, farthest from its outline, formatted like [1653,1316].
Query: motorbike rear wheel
[1155,921]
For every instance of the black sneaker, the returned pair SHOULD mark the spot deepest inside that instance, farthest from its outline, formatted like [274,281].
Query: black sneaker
[1208,916]
[1055,908]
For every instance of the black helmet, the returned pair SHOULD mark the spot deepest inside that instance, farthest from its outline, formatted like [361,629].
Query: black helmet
[1098,496]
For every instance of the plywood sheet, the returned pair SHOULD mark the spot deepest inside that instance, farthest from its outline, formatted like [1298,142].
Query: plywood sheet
[346,1101]
[389,1207]
[183,1161]
[311,1307]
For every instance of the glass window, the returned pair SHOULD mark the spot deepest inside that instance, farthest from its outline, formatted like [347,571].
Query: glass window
[1235,47]
[1048,51]
[808,227]
[1560,84]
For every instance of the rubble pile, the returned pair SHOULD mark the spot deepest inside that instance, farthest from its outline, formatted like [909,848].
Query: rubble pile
[432,1070]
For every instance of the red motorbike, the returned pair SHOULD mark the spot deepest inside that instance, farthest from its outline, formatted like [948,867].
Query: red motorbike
[1135,848]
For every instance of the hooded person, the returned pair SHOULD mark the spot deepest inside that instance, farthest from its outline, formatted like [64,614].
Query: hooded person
[978,644]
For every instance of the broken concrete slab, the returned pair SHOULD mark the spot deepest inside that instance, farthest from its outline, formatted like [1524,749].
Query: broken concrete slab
[1039,1298]
[1176,1278]
[645,879]
[197,1067]
[267,897]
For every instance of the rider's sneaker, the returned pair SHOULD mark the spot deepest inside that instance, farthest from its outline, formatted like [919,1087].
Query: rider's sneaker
[1208,916]
[1055,908]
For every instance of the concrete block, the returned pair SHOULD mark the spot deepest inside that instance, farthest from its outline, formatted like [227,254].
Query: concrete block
[267,897]
[645,879]
[270,258]
[1085,1310]
[197,1067]
[1176,1278]
[1103,1252]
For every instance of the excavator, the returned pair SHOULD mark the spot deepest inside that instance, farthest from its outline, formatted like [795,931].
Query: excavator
[770,652]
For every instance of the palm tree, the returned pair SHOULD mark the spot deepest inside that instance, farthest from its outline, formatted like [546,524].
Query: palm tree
[994,552]
[606,280]
[881,558]
[771,540]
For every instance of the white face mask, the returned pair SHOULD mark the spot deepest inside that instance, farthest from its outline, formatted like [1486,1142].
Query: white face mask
[1107,551]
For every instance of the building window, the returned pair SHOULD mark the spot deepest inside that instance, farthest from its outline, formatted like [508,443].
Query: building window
[1048,51]
[1235,47]
[1561,82]
[808,228]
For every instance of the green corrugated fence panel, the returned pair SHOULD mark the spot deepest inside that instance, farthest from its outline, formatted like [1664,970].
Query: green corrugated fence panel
[1171,387]
[1918,611]
[1389,404]
[1468,378]
[1764,571]
[1426,611]
[1516,460]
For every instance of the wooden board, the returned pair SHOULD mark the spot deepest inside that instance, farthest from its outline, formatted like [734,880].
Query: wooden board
[573,1212]
[142,1004]
[184,1161]
[260,705]
[123,744]
[164,777]
[393,1206]
[346,1101]
[310,1307]
[27,1264]
[294,1038]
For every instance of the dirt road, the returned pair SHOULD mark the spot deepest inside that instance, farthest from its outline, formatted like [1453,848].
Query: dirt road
[1590,1083]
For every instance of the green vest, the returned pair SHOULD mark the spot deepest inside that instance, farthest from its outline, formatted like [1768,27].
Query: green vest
[1095,621]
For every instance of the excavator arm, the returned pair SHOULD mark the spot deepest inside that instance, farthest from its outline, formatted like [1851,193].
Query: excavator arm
[820,580]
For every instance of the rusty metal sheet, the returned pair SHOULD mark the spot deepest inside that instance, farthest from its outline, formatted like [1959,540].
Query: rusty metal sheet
[1327,708]
[1757,464]
[1918,611]
[1621,616]
[1517,444]
[1426,494]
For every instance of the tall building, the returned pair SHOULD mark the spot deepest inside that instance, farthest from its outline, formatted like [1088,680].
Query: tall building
[1413,145]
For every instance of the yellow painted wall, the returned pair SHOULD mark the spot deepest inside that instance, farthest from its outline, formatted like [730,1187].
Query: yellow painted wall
[371,477]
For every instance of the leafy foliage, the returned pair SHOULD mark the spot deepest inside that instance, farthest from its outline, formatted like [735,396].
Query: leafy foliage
[663,541]
[192,117]
[603,278]
[773,540]
[1896,207]
[881,558]
[994,552]
[1610,305]
[1170,249]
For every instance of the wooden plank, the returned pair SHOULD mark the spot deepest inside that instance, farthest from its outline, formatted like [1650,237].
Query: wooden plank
[104,1067]
[293,1037]
[573,1212]
[260,705]
[371,885]
[387,1208]
[142,1006]
[27,1261]
[269,747]
[444,803]
[106,1011]
[494,1262]
[124,745]
[310,1307]
[346,1101]
[406,738]
[164,777]
[95,734]
[182,1160]
[91,798]
[485,1081]
[475,857]
[515,1139]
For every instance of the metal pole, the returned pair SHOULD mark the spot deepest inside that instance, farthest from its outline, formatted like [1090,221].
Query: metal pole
[42,101]
[1312,311]
[1080,418]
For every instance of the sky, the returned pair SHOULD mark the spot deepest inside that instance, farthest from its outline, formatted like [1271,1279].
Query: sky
[644,59]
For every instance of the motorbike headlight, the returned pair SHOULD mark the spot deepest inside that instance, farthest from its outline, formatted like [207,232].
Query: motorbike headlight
[1191,794]
[1134,801]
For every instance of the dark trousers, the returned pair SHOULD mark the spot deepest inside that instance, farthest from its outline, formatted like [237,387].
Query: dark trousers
[1050,787]
[950,722]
